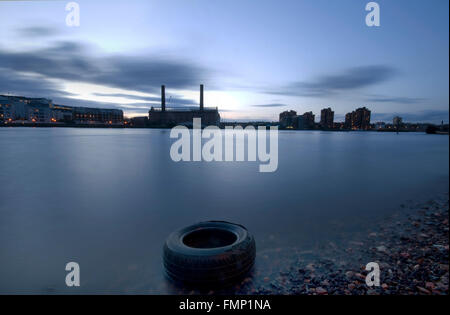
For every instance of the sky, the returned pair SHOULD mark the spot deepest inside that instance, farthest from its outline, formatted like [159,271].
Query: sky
[256,58]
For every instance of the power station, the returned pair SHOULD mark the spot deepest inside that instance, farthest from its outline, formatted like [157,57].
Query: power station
[166,117]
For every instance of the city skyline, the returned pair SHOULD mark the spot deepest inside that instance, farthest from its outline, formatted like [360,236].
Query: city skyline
[279,61]
[18,110]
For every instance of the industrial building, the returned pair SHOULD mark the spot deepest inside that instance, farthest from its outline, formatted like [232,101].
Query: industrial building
[169,117]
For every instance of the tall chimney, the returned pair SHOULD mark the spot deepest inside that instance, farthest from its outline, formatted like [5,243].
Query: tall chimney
[163,98]
[201,96]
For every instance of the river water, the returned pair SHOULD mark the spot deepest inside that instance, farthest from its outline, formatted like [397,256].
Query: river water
[108,198]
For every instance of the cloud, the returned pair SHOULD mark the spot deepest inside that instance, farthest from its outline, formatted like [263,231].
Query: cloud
[37,31]
[151,99]
[130,96]
[35,86]
[76,62]
[399,100]
[350,79]
[76,102]
[21,84]
[229,110]
[269,105]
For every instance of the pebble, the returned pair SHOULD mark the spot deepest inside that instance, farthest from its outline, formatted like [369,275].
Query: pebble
[321,291]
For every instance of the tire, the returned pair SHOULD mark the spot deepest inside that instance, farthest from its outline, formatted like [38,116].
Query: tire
[213,253]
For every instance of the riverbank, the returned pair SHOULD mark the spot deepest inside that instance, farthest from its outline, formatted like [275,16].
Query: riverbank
[411,248]
[221,126]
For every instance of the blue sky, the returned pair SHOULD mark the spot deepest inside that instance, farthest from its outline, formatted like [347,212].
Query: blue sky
[256,58]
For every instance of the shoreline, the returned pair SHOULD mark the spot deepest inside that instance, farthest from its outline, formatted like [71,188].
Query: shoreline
[99,126]
[411,247]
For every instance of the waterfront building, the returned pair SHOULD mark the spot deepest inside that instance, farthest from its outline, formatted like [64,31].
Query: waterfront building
[168,117]
[288,119]
[87,115]
[306,121]
[348,121]
[25,108]
[39,110]
[359,119]
[397,121]
[5,109]
[327,118]
[339,125]
[138,122]
[380,125]
[62,113]
[42,110]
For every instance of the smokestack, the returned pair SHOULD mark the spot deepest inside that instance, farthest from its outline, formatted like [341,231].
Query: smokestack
[163,98]
[201,96]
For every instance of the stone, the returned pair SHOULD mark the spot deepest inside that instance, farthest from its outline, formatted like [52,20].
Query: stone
[321,291]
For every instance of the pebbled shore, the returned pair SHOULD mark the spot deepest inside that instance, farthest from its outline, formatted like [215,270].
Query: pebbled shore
[411,248]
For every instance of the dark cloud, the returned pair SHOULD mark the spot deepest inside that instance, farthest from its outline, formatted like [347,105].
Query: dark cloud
[424,116]
[76,62]
[399,100]
[152,99]
[138,105]
[351,79]
[130,96]
[20,84]
[76,102]
[37,31]
[229,110]
[269,105]
[32,86]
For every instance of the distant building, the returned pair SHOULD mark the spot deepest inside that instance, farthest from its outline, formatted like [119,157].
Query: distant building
[138,122]
[87,115]
[289,119]
[25,108]
[39,110]
[327,118]
[62,113]
[6,110]
[361,119]
[42,110]
[380,125]
[358,119]
[348,121]
[339,125]
[306,121]
[397,121]
[166,117]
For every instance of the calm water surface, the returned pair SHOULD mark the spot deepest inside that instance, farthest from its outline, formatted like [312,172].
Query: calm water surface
[108,198]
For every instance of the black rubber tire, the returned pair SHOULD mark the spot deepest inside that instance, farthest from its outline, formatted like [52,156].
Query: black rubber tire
[218,266]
